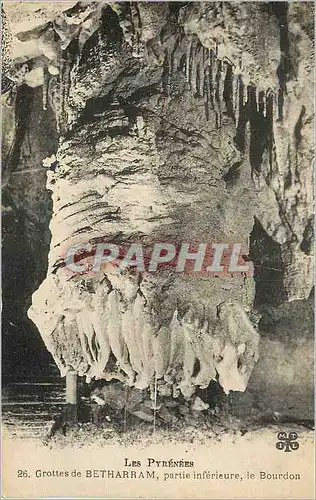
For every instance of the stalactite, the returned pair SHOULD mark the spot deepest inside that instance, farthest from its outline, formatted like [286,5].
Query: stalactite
[203,56]
[136,21]
[199,78]
[220,89]
[207,91]
[129,328]
[176,349]
[235,94]
[211,79]
[115,333]
[170,70]
[166,73]
[280,94]
[188,57]
[183,64]
[264,102]
[104,350]
[206,58]
[228,90]
[205,80]
[195,74]
[260,102]
[192,51]
[65,64]
[270,124]
[275,100]
[257,99]
[215,80]
[117,340]
[186,386]
[224,74]
[174,60]
[245,94]
[59,101]
[161,346]
[45,90]
[80,317]
[270,109]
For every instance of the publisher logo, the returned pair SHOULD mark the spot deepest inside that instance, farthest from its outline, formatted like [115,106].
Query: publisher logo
[287,441]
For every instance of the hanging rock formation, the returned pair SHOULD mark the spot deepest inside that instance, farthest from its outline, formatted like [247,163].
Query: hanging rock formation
[177,123]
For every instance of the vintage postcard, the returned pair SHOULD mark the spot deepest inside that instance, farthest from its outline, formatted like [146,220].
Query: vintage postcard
[157,249]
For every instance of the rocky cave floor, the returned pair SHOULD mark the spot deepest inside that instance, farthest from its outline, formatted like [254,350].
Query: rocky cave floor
[196,428]
[129,419]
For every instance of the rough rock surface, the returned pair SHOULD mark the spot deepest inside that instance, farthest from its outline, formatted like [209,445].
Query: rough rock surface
[282,385]
[176,123]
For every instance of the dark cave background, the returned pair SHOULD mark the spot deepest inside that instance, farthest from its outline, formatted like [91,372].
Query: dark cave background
[25,235]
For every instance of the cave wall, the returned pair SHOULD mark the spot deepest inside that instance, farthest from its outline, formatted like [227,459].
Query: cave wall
[26,212]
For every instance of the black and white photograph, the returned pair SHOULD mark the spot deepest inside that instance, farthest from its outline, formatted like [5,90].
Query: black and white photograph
[157,249]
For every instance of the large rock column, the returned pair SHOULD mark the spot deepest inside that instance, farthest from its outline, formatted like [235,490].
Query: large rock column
[173,126]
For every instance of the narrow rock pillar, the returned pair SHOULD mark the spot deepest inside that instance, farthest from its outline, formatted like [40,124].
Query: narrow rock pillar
[72,397]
